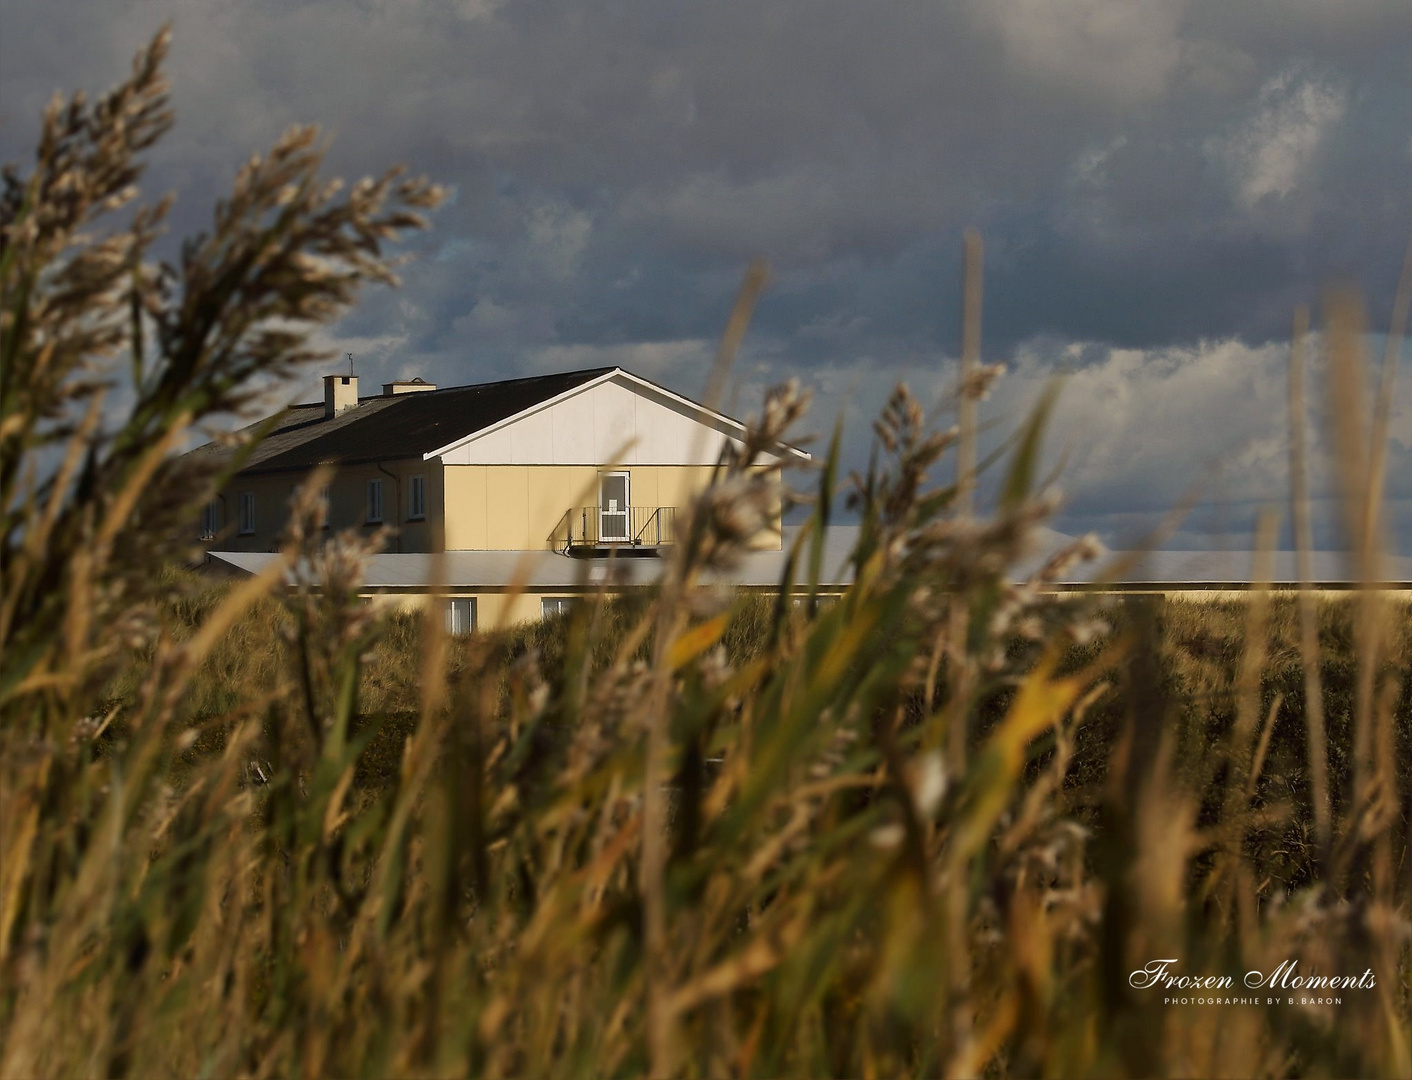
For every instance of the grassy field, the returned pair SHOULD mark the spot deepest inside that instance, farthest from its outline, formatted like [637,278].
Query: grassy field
[940,827]
[455,886]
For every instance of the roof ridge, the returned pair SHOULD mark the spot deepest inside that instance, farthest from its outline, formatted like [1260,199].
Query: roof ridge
[593,371]
[519,379]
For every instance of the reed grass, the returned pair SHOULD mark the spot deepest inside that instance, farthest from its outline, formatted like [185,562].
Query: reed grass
[930,829]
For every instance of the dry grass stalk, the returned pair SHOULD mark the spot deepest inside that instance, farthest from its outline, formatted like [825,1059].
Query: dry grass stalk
[679,833]
[970,361]
[1382,406]
[1308,613]
[671,621]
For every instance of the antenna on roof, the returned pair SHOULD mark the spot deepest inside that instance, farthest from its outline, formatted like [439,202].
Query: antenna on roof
[350,363]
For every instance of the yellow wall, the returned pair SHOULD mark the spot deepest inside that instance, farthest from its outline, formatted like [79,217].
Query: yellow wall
[469,507]
[500,608]
[493,609]
[522,507]
[504,609]
[271,509]
[347,505]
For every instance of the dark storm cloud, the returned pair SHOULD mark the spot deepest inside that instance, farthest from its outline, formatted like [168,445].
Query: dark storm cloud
[1153,177]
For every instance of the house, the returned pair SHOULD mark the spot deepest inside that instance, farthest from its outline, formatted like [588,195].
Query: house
[578,468]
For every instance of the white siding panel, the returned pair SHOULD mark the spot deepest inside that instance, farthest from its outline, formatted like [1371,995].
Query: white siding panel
[615,424]
[573,431]
[592,426]
[529,438]
[667,437]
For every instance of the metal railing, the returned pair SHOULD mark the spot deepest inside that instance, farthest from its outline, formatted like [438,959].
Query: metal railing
[634,526]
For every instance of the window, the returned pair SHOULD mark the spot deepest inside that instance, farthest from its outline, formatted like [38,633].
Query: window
[374,502]
[417,498]
[320,507]
[247,513]
[210,520]
[825,600]
[557,605]
[461,615]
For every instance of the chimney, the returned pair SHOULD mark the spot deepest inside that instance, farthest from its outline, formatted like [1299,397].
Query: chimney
[406,386]
[340,394]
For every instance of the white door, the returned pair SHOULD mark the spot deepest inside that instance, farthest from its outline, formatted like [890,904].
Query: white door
[613,507]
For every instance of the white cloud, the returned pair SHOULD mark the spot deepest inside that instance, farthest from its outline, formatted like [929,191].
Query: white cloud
[1140,428]
[1090,168]
[1271,153]
[1123,50]
[488,317]
[1144,425]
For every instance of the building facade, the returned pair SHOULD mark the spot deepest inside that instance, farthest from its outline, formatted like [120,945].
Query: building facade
[586,465]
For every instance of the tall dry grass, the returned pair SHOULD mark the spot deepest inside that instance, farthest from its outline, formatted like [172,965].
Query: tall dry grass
[929,829]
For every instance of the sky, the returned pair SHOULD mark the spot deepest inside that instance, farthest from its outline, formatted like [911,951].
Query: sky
[1159,183]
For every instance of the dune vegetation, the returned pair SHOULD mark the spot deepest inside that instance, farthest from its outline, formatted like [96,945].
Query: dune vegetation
[942,826]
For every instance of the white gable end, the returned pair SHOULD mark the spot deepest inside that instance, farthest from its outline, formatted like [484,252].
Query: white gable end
[616,420]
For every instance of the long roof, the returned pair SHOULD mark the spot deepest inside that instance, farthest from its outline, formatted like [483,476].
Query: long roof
[541,569]
[402,426]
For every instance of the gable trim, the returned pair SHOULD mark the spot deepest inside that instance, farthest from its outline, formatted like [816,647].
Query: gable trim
[686,403]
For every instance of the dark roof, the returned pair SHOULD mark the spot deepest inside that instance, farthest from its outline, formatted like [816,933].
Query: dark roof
[401,426]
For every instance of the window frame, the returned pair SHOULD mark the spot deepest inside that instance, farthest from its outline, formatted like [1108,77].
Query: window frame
[562,605]
[210,519]
[246,513]
[417,494]
[624,511]
[472,615]
[369,517]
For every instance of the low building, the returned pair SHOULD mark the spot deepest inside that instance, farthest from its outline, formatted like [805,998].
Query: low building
[514,499]
[487,587]
[586,465]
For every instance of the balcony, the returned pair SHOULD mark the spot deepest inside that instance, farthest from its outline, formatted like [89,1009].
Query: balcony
[586,529]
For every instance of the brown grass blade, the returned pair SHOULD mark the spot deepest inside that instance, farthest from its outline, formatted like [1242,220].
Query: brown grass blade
[972,256]
[1308,603]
